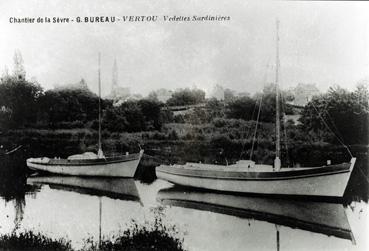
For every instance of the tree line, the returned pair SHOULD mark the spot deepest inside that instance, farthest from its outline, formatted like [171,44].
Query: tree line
[24,104]
[337,115]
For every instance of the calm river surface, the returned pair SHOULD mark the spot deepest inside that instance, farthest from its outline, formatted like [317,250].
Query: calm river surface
[70,207]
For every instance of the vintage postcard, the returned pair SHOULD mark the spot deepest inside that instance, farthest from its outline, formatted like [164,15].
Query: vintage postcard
[184,125]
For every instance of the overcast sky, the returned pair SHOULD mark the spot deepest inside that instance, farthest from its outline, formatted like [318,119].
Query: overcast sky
[320,42]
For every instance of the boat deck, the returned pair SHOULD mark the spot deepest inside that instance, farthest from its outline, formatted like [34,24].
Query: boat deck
[255,172]
[76,162]
[240,168]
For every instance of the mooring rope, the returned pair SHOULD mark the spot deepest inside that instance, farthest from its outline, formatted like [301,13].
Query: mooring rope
[339,140]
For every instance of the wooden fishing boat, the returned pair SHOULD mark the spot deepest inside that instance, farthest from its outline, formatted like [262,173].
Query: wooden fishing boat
[90,164]
[247,177]
[119,166]
[323,217]
[314,181]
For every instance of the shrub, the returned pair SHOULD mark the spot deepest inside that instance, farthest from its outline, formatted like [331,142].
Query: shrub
[151,236]
[32,241]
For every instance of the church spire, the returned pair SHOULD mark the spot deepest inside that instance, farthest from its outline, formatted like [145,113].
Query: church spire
[19,72]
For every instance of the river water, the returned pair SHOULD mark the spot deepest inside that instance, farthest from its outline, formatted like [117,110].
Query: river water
[79,208]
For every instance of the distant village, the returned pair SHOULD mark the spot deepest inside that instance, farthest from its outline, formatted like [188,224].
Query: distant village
[301,93]
[299,96]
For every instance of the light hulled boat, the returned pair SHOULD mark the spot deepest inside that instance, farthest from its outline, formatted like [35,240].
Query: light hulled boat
[120,166]
[261,179]
[90,164]
[247,177]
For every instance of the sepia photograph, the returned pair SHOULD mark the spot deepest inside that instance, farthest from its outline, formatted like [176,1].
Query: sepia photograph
[184,125]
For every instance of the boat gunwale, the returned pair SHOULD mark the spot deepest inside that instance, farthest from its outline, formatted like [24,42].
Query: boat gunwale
[85,162]
[253,175]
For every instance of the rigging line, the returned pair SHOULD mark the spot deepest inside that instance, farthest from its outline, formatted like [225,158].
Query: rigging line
[330,118]
[320,116]
[256,128]
[337,132]
[333,124]
[366,177]
[261,96]
[285,128]
[248,133]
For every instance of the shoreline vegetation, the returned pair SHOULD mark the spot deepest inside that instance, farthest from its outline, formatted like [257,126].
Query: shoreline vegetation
[148,236]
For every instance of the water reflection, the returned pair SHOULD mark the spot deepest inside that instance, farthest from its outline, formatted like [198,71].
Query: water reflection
[13,187]
[76,208]
[116,188]
[320,217]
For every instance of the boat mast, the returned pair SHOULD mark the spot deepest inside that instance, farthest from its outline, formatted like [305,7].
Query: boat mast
[277,161]
[100,152]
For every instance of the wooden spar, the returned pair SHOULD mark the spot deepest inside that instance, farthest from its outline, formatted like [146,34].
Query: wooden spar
[99,152]
[277,161]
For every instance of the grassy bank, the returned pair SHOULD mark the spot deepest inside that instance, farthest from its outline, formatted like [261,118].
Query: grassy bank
[33,241]
[149,236]
[222,141]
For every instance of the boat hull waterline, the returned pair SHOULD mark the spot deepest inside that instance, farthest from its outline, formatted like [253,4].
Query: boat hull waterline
[330,181]
[123,166]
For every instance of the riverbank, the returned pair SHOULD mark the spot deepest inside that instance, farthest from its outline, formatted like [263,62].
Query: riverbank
[219,142]
[150,236]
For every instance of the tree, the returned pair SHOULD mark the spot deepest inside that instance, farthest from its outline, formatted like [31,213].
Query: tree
[126,117]
[214,108]
[151,110]
[338,114]
[68,105]
[153,96]
[241,108]
[186,97]
[19,98]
